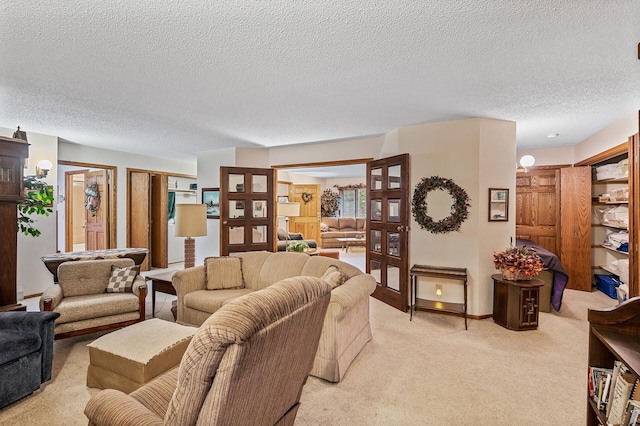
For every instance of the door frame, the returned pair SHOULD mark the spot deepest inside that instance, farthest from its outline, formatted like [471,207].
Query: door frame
[163,226]
[112,239]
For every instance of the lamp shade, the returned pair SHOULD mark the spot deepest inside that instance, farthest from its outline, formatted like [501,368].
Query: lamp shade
[191,220]
[289,209]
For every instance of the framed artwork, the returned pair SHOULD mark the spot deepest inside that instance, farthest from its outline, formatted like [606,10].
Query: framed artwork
[498,204]
[211,198]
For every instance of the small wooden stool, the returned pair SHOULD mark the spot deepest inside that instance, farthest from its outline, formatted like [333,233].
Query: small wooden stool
[329,253]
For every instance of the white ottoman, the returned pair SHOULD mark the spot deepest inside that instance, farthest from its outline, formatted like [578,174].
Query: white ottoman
[130,357]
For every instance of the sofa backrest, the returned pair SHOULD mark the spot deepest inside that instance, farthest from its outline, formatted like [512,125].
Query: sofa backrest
[345,223]
[83,277]
[260,269]
[348,224]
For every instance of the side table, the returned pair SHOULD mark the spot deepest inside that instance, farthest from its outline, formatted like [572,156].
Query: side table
[515,303]
[161,282]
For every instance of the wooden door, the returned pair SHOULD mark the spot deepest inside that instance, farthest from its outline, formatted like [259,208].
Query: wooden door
[575,213]
[74,209]
[538,207]
[159,221]
[247,210]
[96,220]
[308,223]
[139,216]
[388,229]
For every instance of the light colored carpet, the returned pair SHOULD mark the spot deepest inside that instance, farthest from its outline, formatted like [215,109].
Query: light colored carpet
[428,371]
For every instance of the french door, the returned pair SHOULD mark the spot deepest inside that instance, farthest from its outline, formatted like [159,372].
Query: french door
[388,229]
[247,210]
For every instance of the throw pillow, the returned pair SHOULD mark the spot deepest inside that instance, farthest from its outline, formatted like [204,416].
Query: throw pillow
[282,234]
[324,227]
[121,279]
[334,276]
[223,272]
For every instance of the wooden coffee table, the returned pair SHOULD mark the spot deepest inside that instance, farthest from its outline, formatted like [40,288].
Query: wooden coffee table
[351,242]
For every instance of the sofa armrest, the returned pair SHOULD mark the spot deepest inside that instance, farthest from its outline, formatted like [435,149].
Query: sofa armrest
[51,298]
[41,323]
[112,407]
[188,280]
[347,295]
[139,283]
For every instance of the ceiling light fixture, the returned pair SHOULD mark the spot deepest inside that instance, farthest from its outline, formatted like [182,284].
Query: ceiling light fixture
[527,161]
[553,135]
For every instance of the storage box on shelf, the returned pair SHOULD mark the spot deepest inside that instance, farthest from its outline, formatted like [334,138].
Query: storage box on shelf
[613,335]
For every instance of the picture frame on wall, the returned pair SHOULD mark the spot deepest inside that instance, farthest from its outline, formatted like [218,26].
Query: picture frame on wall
[498,204]
[211,198]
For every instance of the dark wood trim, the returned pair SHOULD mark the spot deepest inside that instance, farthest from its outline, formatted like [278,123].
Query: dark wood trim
[621,149]
[156,172]
[323,163]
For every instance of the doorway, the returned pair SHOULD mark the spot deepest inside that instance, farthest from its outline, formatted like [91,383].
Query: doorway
[83,225]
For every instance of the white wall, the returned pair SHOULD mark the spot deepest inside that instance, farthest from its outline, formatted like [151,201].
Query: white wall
[549,156]
[349,149]
[84,154]
[464,151]
[614,134]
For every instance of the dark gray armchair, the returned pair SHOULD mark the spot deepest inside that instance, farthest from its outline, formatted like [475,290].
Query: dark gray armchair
[26,339]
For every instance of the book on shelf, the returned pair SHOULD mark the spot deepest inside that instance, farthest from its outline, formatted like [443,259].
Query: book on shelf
[600,378]
[632,414]
[625,383]
[617,365]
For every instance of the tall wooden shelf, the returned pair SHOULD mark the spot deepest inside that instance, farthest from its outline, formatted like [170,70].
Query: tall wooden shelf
[627,150]
[613,335]
[12,155]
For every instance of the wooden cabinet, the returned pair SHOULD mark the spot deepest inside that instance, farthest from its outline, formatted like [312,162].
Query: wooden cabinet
[516,303]
[12,155]
[613,335]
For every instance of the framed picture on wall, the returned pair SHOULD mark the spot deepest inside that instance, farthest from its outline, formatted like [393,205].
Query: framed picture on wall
[498,205]
[211,198]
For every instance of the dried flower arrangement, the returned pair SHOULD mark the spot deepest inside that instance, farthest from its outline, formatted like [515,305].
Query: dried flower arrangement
[518,264]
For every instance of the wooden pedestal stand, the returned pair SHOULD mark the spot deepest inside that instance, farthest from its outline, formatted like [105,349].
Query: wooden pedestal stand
[12,155]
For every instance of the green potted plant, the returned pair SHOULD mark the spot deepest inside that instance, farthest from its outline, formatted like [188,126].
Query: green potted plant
[38,200]
[297,245]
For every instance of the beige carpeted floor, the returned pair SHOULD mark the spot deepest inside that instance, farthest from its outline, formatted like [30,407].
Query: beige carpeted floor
[429,371]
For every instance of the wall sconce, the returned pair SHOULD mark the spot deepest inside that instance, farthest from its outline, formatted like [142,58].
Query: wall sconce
[527,161]
[439,290]
[43,167]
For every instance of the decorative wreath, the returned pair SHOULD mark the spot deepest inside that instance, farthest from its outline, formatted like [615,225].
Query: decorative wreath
[306,197]
[92,198]
[459,208]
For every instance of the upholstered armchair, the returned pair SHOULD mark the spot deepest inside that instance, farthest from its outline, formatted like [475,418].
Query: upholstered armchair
[246,365]
[26,339]
[93,295]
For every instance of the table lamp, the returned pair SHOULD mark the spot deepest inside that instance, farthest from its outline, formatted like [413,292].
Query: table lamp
[288,209]
[191,221]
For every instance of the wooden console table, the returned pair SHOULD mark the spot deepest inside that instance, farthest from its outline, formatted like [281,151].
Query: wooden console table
[515,303]
[455,274]
[52,261]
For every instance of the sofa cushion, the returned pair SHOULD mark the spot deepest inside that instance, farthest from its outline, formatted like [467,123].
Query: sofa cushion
[82,277]
[211,301]
[79,308]
[121,279]
[332,223]
[223,272]
[348,224]
[333,276]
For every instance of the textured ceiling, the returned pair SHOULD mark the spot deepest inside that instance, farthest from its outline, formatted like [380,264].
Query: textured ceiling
[175,77]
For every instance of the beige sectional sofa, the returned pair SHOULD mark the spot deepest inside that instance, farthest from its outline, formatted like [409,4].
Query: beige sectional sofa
[346,328]
[333,228]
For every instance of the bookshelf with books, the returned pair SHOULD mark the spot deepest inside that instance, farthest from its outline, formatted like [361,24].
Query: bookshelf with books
[614,364]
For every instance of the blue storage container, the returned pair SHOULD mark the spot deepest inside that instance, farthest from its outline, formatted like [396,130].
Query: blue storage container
[607,284]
